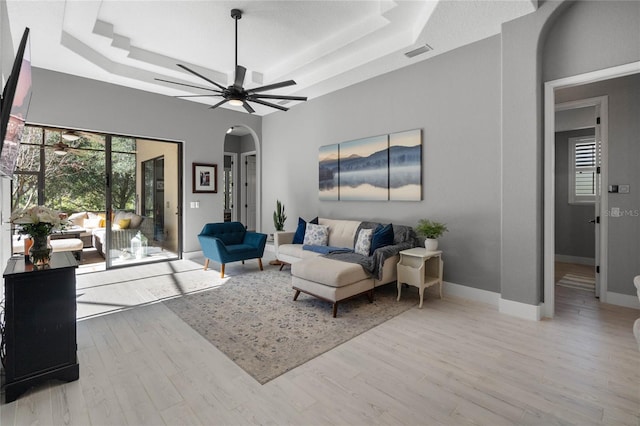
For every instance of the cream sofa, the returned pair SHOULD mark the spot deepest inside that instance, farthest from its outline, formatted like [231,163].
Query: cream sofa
[334,280]
[93,231]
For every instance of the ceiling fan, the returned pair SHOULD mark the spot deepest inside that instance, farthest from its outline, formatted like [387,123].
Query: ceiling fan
[61,148]
[236,94]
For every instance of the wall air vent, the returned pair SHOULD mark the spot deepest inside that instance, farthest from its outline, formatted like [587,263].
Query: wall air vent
[419,51]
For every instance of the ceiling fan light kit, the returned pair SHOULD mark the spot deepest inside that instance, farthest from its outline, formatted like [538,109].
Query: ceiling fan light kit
[236,94]
[70,136]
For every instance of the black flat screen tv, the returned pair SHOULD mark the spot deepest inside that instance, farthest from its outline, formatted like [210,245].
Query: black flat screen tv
[15,105]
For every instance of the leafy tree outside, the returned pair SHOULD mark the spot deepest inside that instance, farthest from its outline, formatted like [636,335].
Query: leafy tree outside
[76,181]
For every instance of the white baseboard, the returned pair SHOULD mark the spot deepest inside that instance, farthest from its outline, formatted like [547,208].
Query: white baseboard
[471,293]
[192,254]
[509,307]
[575,259]
[520,310]
[626,300]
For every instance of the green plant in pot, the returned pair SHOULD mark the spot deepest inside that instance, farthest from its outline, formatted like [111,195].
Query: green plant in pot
[431,231]
[279,217]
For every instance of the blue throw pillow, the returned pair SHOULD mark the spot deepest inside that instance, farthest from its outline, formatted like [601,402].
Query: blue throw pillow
[298,237]
[382,236]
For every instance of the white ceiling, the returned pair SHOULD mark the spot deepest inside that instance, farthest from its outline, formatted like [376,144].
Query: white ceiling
[323,45]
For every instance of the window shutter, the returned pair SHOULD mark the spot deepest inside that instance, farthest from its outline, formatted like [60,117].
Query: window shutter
[585,168]
[583,164]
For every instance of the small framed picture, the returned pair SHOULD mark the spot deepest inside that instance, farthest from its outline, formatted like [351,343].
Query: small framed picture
[205,178]
[160,185]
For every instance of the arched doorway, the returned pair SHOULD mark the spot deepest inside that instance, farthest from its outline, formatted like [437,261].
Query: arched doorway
[241,177]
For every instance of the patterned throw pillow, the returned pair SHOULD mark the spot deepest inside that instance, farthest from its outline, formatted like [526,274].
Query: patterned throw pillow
[363,244]
[316,235]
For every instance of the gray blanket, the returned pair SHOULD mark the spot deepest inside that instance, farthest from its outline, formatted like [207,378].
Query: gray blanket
[404,238]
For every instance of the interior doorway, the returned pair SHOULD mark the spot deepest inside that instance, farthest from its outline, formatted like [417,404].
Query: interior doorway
[578,167]
[248,162]
[242,168]
[229,177]
[551,89]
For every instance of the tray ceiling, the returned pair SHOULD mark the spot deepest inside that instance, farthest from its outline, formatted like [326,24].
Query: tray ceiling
[323,45]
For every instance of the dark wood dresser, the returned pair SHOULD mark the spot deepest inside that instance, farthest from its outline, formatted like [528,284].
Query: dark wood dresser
[39,323]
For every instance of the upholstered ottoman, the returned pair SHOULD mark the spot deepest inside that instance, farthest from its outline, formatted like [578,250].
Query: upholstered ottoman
[330,280]
[74,245]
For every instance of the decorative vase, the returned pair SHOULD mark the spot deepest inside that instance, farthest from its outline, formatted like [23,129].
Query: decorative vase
[40,251]
[431,244]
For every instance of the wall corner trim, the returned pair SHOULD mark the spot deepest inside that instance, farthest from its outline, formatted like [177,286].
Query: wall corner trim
[520,310]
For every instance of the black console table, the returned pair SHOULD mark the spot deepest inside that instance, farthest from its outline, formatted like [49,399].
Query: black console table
[40,323]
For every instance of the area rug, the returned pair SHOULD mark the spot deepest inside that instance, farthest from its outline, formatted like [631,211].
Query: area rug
[253,319]
[581,282]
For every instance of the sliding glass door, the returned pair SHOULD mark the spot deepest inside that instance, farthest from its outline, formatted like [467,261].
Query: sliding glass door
[145,197]
[122,194]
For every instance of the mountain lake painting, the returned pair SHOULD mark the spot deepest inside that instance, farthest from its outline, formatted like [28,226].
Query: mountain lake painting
[328,182]
[405,166]
[378,168]
[364,169]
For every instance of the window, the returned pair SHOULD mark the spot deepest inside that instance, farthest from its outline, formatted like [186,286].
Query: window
[583,176]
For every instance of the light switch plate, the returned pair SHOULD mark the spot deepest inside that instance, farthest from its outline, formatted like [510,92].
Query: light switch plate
[623,189]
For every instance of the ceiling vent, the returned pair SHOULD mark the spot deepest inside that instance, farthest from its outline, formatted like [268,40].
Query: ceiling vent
[419,51]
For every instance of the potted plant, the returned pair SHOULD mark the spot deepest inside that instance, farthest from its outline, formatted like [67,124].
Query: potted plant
[431,231]
[279,217]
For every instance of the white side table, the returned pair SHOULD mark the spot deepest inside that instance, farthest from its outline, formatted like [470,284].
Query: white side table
[420,268]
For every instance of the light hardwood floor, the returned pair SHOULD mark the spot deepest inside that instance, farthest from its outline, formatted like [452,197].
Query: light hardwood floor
[453,362]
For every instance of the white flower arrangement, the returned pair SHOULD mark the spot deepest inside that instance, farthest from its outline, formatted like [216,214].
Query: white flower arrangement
[38,221]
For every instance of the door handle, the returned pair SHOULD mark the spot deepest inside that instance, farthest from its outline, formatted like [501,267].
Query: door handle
[592,221]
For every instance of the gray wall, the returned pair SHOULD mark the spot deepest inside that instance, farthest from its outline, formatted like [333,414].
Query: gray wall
[574,234]
[68,101]
[624,154]
[481,111]
[455,99]
[554,42]
[590,36]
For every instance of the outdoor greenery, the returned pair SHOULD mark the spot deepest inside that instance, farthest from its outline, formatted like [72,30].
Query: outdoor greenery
[76,181]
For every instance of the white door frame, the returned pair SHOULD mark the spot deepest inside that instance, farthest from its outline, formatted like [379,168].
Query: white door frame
[243,197]
[549,177]
[234,170]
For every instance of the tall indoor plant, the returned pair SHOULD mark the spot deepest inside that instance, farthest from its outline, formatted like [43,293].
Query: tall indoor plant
[431,231]
[279,217]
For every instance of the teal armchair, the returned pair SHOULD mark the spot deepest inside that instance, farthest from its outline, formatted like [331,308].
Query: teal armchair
[227,242]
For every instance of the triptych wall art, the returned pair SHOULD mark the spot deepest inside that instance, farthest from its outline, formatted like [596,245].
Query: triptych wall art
[386,167]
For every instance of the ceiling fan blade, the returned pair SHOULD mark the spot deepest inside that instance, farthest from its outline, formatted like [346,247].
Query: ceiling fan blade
[218,104]
[240,72]
[272,86]
[246,106]
[269,104]
[201,76]
[288,98]
[188,85]
[197,96]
